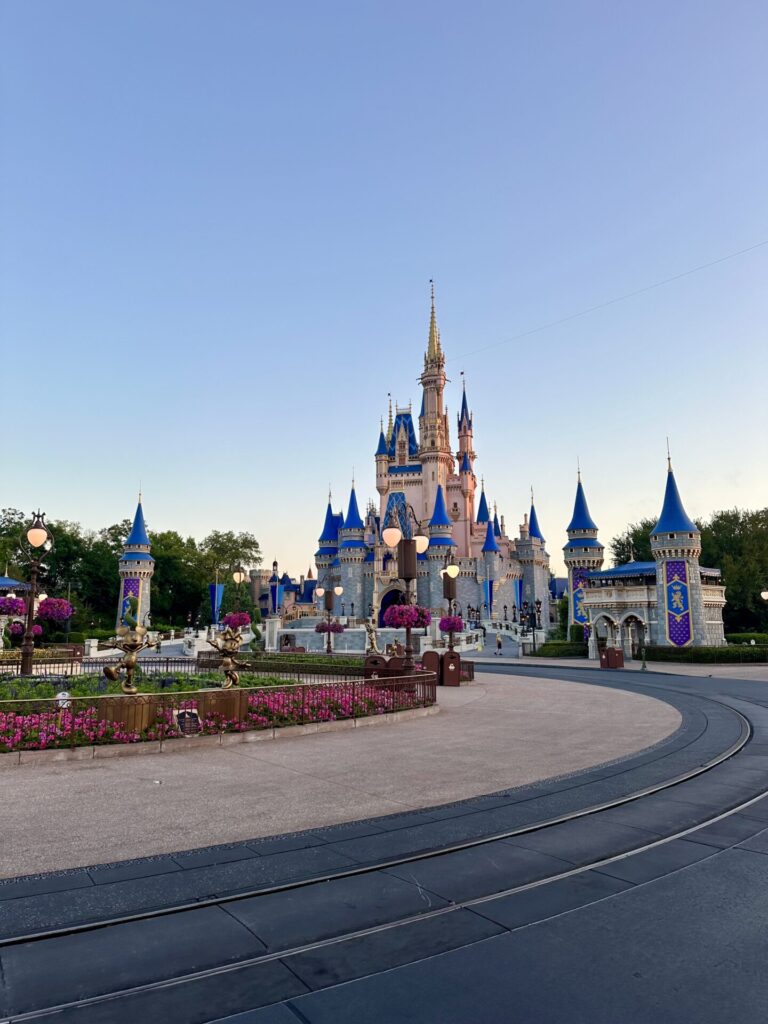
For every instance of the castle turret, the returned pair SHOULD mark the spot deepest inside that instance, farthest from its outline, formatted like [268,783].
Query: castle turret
[676,546]
[582,554]
[441,542]
[382,460]
[352,552]
[533,558]
[435,453]
[328,543]
[482,509]
[136,567]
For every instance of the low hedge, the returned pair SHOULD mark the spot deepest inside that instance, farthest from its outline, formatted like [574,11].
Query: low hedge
[707,655]
[560,649]
[746,638]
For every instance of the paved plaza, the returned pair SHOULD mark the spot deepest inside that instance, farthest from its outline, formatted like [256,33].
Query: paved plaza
[496,734]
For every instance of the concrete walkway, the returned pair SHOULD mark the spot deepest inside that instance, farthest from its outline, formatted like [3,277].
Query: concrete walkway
[496,734]
[730,670]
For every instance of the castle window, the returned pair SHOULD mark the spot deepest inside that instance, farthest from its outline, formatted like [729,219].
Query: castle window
[671,536]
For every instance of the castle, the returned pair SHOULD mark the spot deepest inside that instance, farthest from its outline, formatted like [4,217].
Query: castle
[136,567]
[422,481]
[672,601]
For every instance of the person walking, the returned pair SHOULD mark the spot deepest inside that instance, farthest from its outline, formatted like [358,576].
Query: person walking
[498,643]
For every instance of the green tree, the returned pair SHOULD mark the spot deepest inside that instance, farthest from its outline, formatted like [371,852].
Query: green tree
[178,579]
[221,552]
[634,545]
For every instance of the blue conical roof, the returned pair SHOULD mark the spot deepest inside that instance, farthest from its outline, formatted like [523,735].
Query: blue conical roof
[581,519]
[490,540]
[465,466]
[673,518]
[440,515]
[382,448]
[464,417]
[482,509]
[138,535]
[353,520]
[534,530]
[496,527]
[330,527]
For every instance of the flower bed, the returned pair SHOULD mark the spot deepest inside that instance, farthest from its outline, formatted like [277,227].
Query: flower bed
[81,722]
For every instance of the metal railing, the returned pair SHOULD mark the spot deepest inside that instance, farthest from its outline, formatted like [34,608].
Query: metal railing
[66,721]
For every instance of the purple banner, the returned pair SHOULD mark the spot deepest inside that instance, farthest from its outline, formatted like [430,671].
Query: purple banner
[677,604]
[131,588]
[579,584]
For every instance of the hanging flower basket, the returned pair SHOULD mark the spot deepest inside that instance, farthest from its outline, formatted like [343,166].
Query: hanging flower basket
[329,627]
[237,620]
[406,616]
[451,624]
[13,606]
[54,609]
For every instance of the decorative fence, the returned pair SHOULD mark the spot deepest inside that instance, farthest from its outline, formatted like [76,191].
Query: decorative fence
[67,721]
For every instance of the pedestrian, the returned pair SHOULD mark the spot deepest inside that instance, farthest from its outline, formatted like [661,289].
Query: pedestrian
[498,643]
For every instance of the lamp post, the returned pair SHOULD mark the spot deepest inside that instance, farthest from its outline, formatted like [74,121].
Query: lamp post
[238,575]
[39,540]
[407,550]
[328,593]
[643,666]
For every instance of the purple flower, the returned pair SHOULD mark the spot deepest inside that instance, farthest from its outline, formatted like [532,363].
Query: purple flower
[56,609]
[236,620]
[403,616]
[451,624]
[12,606]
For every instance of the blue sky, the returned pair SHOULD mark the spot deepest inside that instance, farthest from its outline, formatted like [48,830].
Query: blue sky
[218,221]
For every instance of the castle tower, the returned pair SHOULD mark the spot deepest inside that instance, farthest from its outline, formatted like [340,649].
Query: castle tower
[466,459]
[328,542]
[382,459]
[582,554]
[490,562]
[352,551]
[136,567]
[441,541]
[676,546]
[534,559]
[434,444]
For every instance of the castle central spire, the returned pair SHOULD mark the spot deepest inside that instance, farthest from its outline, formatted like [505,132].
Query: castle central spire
[434,352]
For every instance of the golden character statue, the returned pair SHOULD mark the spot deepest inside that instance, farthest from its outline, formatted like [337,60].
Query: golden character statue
[131,641]
[373,644]
[228,644]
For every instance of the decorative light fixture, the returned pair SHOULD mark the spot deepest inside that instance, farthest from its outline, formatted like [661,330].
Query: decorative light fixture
[239,575]
[38,532]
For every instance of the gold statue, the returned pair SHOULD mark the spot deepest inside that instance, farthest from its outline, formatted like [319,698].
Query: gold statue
[373,645]
[228,644]
[130,641]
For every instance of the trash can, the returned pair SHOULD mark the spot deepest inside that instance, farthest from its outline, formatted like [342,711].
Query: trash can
[451,669]
[604,657]
[431,661]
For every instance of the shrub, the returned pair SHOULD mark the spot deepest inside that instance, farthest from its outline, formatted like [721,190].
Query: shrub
[576,634]
[746,638]
[561,649]
[707,655]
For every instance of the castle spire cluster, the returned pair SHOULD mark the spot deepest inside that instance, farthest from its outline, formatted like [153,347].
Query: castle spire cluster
[420,477]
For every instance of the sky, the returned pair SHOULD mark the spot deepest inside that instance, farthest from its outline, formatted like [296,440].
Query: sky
[219,218]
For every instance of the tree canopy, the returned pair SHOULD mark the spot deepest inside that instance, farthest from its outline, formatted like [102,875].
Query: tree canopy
[83,566]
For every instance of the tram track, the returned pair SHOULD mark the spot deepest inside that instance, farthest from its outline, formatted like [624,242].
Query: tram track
[107,1002]
[394,862]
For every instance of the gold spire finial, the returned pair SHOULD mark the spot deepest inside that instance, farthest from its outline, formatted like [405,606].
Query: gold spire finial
[390,425]
[329,492]
[482,483]
[353,478]
[578,469]
[433,347]
[531,493]
[669,458]
[139,491]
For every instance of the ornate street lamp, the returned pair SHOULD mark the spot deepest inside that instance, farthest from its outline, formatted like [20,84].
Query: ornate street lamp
[328,593]
[407,550]
[38,541]
[238,575]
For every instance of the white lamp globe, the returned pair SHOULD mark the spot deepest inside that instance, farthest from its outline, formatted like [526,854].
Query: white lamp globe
[391,535]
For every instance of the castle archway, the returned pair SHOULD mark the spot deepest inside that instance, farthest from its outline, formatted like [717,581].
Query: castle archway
[392,596]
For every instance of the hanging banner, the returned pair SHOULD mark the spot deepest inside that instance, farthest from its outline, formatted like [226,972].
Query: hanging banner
[677,603]
[216,591]
[276,591]
[579,585]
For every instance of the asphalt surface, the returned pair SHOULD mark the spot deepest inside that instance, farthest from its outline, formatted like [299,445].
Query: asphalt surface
[647,910]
